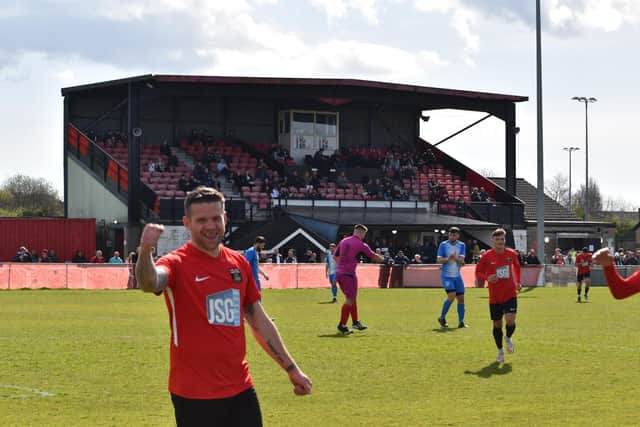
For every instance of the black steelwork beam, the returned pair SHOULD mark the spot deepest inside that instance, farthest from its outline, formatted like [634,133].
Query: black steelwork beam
[134,131]
[510,147]
[463,129]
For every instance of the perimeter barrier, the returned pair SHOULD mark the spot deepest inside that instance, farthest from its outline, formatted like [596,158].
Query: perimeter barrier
[285,276]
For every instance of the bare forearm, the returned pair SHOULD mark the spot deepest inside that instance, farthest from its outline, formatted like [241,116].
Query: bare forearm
[147,274]
[269,338]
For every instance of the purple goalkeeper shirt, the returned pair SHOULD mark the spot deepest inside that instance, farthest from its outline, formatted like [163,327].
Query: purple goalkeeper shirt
[348,251]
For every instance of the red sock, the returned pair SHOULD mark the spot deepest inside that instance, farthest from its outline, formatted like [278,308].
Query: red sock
[346,309]
[354,312]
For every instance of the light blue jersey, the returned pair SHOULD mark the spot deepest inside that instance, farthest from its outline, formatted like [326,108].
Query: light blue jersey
[446,248]
[331,263]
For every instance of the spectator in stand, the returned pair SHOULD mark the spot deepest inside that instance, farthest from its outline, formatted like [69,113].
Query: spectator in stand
[98,258]
[261,169]
[291,257]
[342,181]
[79,257]
[417,259]
[23,255]
[193,183]
[475,195]
[165,148]
[522,258]
[275,193]
[172,161]
[484,197]
[557,257]
[460,206]
[151,167]
[222,168]
[532,258]
[293,180]
[53,257]
[44,256]
[115,259]
[183,184]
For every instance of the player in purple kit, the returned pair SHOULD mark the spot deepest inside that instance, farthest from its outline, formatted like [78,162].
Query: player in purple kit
[346,255]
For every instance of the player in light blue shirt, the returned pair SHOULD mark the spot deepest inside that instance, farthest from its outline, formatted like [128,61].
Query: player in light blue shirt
[330,271]
[253,256]
[451,255]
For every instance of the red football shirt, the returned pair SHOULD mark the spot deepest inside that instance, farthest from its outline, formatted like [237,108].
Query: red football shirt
[205,297]
[506,266]
[583,262]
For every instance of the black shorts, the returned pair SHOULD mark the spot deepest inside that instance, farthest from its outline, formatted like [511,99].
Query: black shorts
[498,310]
[240,410]
[583,276]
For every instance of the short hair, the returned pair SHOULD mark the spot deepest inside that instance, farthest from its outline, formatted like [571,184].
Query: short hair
[454,230]
[332,245]
[202,194]
[360,227]
[585,249]
[499,232]
[260,239]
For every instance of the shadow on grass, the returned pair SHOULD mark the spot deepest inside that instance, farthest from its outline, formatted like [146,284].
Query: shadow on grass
[341,335]
[444,330]
[491,369]
[328,302]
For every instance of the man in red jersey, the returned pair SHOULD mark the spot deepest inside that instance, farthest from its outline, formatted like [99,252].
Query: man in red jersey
[620,288]
[209,292]
[346,255]
[500,267]
[583,262]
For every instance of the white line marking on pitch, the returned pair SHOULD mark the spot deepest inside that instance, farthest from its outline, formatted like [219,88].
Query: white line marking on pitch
[32,392]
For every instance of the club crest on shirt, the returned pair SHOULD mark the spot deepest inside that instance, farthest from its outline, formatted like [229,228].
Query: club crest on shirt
[236,276]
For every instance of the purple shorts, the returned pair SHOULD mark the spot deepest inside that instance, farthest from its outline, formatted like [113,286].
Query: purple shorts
[348,284]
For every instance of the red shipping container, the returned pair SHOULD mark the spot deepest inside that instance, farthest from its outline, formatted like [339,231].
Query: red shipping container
[65,235]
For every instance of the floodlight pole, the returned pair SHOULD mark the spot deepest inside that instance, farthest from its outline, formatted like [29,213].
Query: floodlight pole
[570,150]
[586,102]
[540,192]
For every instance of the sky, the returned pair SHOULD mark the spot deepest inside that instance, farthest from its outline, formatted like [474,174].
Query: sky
[589,48]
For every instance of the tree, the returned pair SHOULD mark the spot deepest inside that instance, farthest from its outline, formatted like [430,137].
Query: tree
[595,198]
[558,189]
[619,204]
[27,196]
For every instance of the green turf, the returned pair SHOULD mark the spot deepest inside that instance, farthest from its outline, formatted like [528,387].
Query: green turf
[103,355]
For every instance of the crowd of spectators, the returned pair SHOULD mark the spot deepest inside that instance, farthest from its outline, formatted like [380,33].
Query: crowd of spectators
[23,254]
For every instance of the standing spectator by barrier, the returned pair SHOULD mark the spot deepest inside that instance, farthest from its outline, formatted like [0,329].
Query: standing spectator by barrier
[132,259]
[557,258]
[115,259]
[532,258]
[277,257]
[291,257]
[98,258]
[417,259]
[23,255]
[401,259]
[44,256]
[79,257]
[53,257]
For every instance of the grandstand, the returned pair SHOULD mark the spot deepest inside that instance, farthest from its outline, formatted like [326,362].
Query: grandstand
[316,155]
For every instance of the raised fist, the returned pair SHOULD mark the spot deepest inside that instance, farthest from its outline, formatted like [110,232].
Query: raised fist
[150,236]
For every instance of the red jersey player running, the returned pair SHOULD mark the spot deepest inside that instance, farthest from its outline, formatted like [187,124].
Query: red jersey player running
[620,288]
[583,262]
[500,267]
[346,255]
[209,292]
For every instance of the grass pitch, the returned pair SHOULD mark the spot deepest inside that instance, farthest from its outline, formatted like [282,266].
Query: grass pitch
[100,358]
